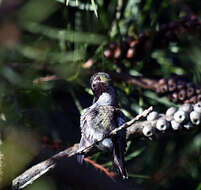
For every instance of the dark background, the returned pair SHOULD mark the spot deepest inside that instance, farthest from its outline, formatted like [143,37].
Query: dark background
[45,38]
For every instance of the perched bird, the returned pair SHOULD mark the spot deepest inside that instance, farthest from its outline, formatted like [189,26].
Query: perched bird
[100,118]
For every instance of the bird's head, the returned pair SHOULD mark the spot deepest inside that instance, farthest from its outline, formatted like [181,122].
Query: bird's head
[100,83]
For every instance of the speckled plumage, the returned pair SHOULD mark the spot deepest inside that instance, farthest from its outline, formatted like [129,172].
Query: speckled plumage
[97,121]
[100,118]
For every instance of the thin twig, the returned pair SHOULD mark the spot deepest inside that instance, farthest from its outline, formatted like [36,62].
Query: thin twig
[101,168]
[142,82]
[131,122]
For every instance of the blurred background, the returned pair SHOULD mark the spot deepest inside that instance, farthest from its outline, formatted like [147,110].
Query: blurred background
[48,51]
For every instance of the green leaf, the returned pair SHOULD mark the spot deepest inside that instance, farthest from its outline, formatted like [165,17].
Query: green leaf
[94,7]
[59,34]
[198,187]
[134,154]
[42,10]
[50,57]
[139,176]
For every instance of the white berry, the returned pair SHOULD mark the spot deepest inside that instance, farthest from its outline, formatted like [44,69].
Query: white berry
[197,107]
[175,125]
[147,130]
[195,117]
[186,107]
[152,116]
[170,111]
[180,116]
[161,125]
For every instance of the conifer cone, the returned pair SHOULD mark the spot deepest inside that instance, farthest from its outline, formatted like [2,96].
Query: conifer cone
[136,48]
[178,89]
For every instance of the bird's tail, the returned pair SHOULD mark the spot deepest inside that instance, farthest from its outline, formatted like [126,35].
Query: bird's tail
[80,158]
[118,156]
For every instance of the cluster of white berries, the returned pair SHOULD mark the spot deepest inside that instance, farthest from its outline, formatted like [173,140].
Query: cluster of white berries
[186,116]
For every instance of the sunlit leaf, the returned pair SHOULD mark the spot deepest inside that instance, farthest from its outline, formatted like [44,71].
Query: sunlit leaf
[50,57]
[138,176]
[134,154]
[94,7]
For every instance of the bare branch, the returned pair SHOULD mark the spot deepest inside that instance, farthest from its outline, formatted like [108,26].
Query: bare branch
[30,175]
[186,117]
[138,81]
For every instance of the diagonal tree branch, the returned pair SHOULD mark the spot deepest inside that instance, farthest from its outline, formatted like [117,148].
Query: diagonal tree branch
[30,175]
[185,117]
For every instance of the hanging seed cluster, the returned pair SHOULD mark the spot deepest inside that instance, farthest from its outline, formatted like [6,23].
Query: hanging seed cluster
[178,89]
[135,48]
[186,117]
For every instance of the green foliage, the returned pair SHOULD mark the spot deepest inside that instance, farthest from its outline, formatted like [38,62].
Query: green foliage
[45,38]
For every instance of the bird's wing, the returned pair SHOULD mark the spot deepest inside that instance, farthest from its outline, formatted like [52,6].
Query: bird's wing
[105,119]
[83,141]
[88,124]
[92,120]
[83,118]
[95,122]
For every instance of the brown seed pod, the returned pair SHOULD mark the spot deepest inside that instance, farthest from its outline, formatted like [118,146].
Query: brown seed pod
[180,85]
[170,32]
[108,53]
[130,53]
[133,43]
[163,88]
[198,90]
[173,97]
[190,91]
[199,98]
[171,85]
[182,95]
[162,81]
[117,52]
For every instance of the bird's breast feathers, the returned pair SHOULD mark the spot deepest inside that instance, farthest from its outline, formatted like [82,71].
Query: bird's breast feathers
[98,121]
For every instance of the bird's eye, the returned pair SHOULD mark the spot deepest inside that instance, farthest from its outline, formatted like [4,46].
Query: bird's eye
[93,86]
[98,78]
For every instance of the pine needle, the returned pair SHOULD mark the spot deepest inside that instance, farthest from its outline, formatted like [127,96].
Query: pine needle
[67,2]
[94,7]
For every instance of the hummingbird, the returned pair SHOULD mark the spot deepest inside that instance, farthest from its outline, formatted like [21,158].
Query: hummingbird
[102,117]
